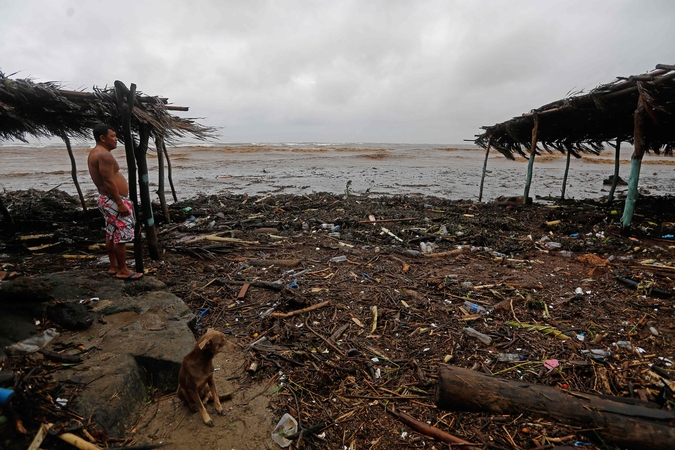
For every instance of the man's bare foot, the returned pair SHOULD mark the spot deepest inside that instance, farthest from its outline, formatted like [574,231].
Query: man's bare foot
[112,271]
[129,276]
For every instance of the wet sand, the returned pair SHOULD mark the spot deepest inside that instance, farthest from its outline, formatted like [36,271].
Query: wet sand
[381,169]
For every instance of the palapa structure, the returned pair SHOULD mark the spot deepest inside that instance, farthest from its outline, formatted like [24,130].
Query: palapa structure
[45,110]
[639,109]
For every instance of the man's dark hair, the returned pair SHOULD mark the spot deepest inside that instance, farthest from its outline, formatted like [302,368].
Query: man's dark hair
[101,130]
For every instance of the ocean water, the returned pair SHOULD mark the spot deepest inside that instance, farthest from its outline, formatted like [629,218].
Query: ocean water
[450,171]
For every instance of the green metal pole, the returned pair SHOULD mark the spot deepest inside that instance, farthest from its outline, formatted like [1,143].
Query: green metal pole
[635,164]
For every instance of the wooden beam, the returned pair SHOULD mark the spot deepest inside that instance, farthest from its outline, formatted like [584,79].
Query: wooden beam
[147,217]
[73,171]
[617,163]
[625,422]
[568,148]
[530,164]
[159,145]
[482,178]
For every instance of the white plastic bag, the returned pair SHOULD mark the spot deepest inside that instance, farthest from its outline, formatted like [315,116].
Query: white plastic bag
[34,343]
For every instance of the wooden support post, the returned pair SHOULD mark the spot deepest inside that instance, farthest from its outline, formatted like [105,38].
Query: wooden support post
[159,145]
[122,92]
[73,171]
[144,187]
[635,165]
[617,163]
[482,178]
[530,164]
[168,166]
[625,422]
[568,148]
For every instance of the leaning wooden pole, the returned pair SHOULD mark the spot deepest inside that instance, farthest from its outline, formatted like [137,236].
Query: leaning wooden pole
[148,218]
[617,163]
[635,165]
[568,148]
[168,166]
[625,422]
[123,93]
[482,178]
[159,142]
[73,166]
[530,164]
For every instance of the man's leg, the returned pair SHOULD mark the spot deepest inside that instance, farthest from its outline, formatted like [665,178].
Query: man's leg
[121,256]
[114,265]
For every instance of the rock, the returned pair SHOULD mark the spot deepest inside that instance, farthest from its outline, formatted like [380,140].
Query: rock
[70,315]
[610,179]
[141,342]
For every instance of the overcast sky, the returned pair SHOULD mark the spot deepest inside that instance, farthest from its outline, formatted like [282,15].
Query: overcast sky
[340,71]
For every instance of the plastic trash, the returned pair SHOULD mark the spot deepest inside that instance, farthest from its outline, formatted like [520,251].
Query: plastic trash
[286,426]
[597,354]
[34,343]
[327,226]
[667,236]
[443,230]
[474,308]
[484,338]
[341,258]
[551,245]
[509,357]
[566,253]
[653,331]
[5,396]
[624,344]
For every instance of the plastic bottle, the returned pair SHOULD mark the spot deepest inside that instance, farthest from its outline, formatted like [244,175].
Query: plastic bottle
[484,338]
[509,357]
[473,308]
[34,343]
[551,245]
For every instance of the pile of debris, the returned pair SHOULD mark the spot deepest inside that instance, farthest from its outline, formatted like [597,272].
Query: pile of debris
[366,312]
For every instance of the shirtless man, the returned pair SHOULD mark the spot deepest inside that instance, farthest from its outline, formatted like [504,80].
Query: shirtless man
[117,209]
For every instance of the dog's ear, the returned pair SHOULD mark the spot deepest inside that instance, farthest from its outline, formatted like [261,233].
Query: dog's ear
[204,343]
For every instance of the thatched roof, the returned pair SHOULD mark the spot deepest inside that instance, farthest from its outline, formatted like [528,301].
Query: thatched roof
[44,110]
[584,122]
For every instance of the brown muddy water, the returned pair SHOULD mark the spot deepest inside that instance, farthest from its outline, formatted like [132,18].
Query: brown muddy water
[379,169]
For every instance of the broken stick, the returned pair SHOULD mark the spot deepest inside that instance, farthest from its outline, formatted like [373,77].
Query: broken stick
[300,311]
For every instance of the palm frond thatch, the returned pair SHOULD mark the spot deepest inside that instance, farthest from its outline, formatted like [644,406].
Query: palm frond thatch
[583,122]
[44,109]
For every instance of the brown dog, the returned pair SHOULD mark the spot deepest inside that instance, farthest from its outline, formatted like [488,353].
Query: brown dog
[195,379]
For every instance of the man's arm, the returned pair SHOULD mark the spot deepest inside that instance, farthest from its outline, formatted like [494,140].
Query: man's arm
[106,168]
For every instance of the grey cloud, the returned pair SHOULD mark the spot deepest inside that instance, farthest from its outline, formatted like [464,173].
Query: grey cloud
[426,71]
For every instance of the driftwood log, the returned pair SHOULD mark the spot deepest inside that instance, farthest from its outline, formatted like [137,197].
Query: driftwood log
[626,422]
